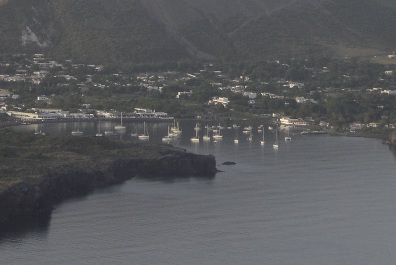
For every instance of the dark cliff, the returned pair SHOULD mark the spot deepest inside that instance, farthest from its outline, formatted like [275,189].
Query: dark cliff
[49,181]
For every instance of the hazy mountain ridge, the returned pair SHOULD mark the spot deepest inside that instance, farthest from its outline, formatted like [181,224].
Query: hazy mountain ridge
[137,31]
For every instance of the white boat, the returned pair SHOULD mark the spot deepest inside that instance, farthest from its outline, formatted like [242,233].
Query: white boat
[39,133]
[262,142]
[236,140]
[175,129]
[288,138]
[206,137]
[250,138]
[135,134]
[247,130]
[260,129]
[145,136]
[167,138]
[120,127]
[99,134]
[275,145]
[78,132]
[110,133]
[196,138]
[217,135]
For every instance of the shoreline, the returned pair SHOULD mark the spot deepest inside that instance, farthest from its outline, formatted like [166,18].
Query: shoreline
[78,174]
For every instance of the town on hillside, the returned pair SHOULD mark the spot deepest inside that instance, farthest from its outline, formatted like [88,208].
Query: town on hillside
[349,95]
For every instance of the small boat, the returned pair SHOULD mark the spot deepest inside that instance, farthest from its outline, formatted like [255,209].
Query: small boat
[250,138]
[196,138]
[145,136]
[217,135]
[167,138]
[288,138]
[262,142]
[78,132]
[135,134]
[39,133]
[99,134]
[236,140]
[175,129]
[275,145]
[206,137]
[120,127]
[260,129]
[110,133]
[247,130]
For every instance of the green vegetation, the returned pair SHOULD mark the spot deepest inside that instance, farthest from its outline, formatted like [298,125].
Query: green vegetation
[25,156]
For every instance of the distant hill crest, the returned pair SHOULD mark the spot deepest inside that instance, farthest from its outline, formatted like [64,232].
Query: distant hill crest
[145,31]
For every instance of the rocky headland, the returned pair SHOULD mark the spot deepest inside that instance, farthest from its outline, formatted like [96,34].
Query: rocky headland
[37,172]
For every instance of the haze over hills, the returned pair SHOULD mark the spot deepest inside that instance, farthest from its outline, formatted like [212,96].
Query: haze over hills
[141,31]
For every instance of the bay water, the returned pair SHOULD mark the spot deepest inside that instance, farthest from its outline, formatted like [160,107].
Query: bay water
[318,199]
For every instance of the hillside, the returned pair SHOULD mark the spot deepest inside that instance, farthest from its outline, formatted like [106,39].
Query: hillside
[152,31]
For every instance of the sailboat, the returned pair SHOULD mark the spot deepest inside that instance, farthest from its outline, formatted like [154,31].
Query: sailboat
[250,138]
[99,134]
[236,140]
[262,142]
[120,127]
[175,129]
[206,137]
[135,134]
[167,138]
[275,145]
[217,135]
[196,138]
[78,132]
[39,133]
[145,136]
[197,128]
[288,138]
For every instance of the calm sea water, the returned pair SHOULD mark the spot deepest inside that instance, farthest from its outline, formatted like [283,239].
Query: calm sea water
[316,200]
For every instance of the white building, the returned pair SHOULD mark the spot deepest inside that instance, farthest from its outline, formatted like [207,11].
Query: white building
[43,98]
[219,100]
[297,85]
[182,94]
[293,122]
[27,116]
[250,95]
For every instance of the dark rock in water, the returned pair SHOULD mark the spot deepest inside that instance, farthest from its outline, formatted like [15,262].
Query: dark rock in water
[229,163]
[26,200]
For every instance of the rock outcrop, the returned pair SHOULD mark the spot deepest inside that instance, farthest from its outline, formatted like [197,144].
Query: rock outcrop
[27,200]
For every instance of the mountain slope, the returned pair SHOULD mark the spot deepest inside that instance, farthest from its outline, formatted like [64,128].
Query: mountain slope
[301,29]
[146,31]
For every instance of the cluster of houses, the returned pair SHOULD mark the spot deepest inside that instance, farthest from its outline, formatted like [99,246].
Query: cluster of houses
[38,114]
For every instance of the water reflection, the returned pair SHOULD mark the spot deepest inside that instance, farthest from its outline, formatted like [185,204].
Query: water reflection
[33,225]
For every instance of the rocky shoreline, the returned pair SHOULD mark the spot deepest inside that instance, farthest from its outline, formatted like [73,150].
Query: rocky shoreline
[28,199]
